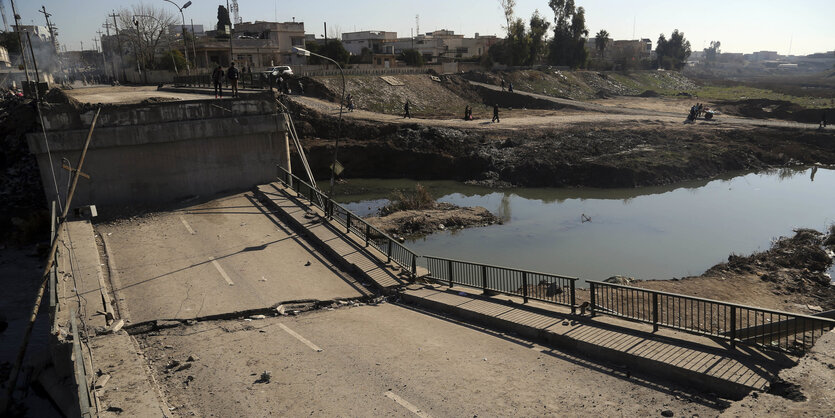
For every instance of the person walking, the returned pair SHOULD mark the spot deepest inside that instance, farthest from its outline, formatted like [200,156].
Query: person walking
[510,87]
[502,84]
[406,113]
[217,79]
[496,113]
[467,113]
[823,120]
[232,74]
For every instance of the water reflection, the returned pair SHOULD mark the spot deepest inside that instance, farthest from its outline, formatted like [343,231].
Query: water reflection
[651,233]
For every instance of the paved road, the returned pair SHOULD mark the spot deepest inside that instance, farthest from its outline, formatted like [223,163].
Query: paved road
[219,257]
[389,360]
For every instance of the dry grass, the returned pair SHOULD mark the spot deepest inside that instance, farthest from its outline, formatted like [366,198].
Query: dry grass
[419,199]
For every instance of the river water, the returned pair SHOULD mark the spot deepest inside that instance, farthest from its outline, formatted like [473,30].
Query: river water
[647,233]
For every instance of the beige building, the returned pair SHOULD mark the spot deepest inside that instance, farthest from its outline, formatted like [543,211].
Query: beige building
[378,42]
[254,45]
[5,62]
[445,45]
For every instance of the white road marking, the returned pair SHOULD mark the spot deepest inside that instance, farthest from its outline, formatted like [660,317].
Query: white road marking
[314,347]
[406,404]
[188,227]
[220,270]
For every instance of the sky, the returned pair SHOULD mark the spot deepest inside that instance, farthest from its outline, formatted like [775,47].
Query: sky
[798,27]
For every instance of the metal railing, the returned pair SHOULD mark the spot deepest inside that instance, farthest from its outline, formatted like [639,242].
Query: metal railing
[371,236]
[544,287]
[728,321]
[246,81]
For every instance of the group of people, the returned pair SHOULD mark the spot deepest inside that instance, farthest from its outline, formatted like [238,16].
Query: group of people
[696,111]
[509,86]
[349,102]
[232,74]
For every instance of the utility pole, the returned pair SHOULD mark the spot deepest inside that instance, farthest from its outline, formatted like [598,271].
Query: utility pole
[106,27]
[119,42]
[20,41]
[231,51]
[103,54]
[193,42]
[49,26]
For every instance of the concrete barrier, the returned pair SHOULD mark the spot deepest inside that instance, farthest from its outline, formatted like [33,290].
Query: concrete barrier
[162,152]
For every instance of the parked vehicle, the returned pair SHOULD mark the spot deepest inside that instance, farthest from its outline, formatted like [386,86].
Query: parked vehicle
[277,71]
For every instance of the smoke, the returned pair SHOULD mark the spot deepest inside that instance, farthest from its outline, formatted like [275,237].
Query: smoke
[45,57]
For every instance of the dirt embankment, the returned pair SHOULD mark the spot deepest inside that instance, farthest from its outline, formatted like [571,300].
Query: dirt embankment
[791,276]
[621,154]
[774,109]
[443,216]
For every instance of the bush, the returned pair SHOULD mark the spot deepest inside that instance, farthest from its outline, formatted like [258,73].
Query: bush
[419,199]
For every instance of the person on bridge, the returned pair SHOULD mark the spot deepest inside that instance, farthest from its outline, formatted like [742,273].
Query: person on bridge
[217,79]
[496,113]
[233,75]
[406,113]
[823,120]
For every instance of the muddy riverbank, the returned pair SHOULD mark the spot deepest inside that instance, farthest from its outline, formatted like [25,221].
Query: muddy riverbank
[615,153]
[441,217]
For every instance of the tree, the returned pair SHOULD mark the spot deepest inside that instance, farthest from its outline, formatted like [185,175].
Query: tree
[223,21]
[538,31]
[333,50]
[169,59]
[600,40]
[412,57]
[712,52]
[672,54]
[146,32]
[567,47]
[507,8]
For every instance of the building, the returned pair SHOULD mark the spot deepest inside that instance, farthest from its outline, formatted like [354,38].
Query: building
[378,42]
[253,45]
[445,45]
[765,56]
[5,62]
[197,30]
[42,32]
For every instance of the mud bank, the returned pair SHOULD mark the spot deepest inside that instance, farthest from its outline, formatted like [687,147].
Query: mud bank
[619,154]
[790,276]
[444,216]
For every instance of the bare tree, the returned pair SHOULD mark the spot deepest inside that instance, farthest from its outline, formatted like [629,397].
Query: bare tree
[507,8]
[146,31]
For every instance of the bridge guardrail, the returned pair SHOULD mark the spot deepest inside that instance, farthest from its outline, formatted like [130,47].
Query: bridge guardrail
[544,287]
[394,250]
[728,321]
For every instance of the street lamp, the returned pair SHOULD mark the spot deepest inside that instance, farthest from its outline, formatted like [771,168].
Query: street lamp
[185,47]
[305,53]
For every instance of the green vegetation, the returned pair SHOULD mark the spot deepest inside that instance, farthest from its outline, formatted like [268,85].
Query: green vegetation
[733,93]
[412,57]
[673,53]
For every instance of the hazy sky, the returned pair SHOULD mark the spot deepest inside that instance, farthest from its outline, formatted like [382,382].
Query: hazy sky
[806,26]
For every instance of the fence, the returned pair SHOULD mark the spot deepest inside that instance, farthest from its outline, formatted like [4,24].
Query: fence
[732,322]
[728,321]
[372,236]
[544,287]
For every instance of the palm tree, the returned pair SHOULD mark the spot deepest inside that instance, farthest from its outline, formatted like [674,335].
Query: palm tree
[600,40]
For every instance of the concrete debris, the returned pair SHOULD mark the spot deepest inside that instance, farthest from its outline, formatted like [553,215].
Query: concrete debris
[172,364]
[184,367]
[258,317]
[814,308]
[161,324]
[116,327]
[102,381]
[280,310]
[192,358]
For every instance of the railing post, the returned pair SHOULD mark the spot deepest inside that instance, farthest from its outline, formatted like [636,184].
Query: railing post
[573,298]
[388,253]
[484,278]
[347,222]
[367,231]
[449,266]
[654,312]
[591,299]
[733,326]
[414,265]
[525,286]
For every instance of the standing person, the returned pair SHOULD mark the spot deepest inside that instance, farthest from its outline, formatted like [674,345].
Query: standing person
[467,113]
[232,74]
[406,113]
[823,120]
[496,113]
[510,87]
[502,84]
[217,79]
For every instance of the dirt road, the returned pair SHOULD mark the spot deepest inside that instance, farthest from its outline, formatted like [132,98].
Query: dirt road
[127,94]
[389,360]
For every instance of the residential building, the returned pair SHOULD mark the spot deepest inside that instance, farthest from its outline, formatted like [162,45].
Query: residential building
[5,62]
[253,45]
[765,56]
[378,42]
[196,29]
[42,32]
[445,45]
